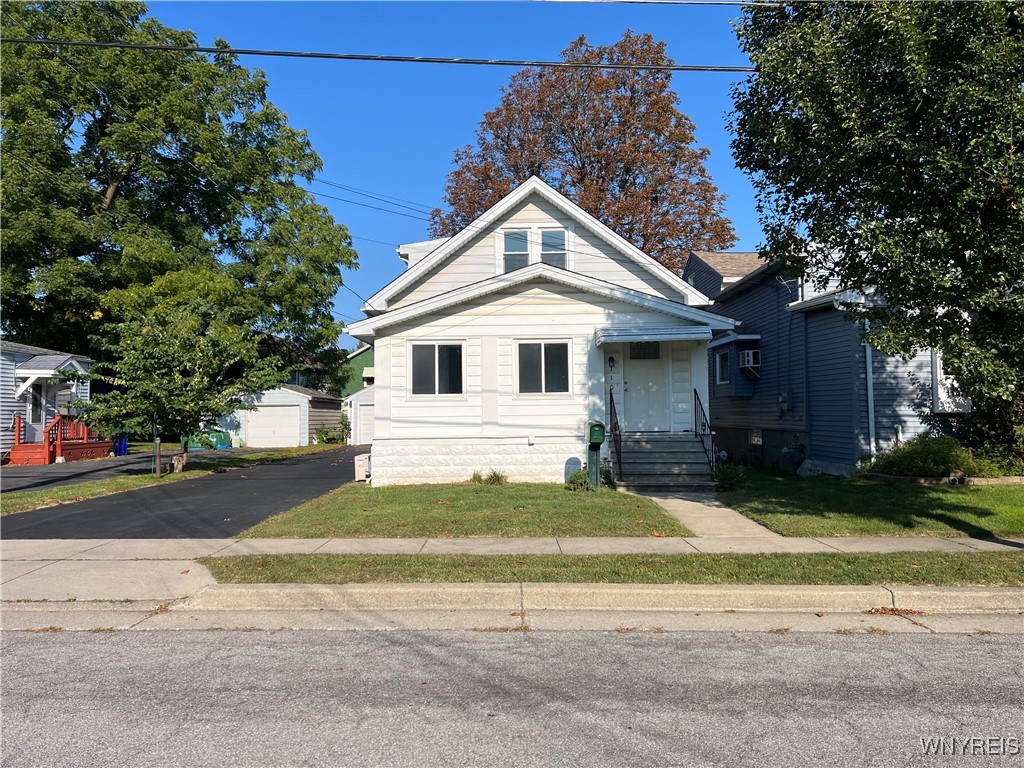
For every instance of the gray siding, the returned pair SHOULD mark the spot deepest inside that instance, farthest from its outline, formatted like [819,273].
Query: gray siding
[9,405]
[833,352]
[903,399]
[323,413]
[702,277]
[782,371]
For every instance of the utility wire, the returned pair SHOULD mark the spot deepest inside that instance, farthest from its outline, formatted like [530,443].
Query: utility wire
[374,57]
[417,207]
[365,205]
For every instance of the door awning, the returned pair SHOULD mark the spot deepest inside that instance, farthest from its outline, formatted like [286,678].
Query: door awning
[679,333]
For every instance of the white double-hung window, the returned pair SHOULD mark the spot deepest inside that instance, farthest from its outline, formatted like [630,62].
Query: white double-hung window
[543,367]
[523,246]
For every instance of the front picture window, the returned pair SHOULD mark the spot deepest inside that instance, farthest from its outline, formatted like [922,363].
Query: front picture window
[543,367]
[437,369]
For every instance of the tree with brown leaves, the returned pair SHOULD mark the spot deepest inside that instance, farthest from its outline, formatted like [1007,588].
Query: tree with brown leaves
[611,140]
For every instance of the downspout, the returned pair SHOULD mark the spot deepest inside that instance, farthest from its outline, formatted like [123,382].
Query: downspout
[871,395]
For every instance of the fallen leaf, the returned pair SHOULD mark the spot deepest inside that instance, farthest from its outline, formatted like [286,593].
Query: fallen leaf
[819,614]
[639,522]
[659,534]
[185,571]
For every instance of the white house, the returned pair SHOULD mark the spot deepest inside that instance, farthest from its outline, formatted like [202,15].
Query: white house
[497,346]
[287,416]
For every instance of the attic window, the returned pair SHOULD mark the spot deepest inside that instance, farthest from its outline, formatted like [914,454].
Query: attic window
[552,247]
[516,249]
[533,244]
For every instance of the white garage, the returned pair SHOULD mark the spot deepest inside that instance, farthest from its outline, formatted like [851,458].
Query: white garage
[284,417]
[274,426]
[360,414]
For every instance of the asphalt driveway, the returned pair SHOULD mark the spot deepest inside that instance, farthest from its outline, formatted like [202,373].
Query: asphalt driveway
[15,477]
[215,506]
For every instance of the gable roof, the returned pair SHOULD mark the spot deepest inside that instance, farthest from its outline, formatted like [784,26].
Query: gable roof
[378,302]
[312,394]
[731,263]
[367,328]
[26,349]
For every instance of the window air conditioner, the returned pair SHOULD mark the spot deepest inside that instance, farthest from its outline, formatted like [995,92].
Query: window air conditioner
[750,358]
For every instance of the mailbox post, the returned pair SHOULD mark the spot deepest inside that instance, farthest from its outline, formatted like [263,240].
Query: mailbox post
[595,439]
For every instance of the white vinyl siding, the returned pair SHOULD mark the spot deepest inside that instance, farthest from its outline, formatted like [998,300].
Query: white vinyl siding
[494,325]
[482,258]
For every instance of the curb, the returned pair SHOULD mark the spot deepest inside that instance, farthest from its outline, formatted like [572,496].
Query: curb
[603,597]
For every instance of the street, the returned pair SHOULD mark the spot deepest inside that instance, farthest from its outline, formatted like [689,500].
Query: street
[402,698]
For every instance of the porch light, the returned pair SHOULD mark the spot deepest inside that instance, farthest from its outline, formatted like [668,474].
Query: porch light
[611,363]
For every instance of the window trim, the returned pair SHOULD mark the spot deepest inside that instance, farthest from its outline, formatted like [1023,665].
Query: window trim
[568,394]
[725,355]
[435,343]
[534,242]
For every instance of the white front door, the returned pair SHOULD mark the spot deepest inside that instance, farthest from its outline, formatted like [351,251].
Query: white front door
[646,391]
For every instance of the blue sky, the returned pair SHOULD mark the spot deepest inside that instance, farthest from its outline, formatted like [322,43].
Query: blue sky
[390,128]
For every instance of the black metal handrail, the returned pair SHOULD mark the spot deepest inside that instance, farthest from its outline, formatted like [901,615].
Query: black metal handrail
[616,434]
[702,426]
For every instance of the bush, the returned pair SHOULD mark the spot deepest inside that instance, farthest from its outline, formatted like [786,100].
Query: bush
[496,477]
[578,481]
[930,456]
[729,476]
[477,478]
[337,433]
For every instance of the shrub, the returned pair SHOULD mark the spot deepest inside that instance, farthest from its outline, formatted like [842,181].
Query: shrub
[729,476]
[930,456]
[496,477]
[578,481]
[334,433]
[477,478]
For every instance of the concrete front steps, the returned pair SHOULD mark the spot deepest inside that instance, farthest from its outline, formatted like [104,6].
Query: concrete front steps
[664,461]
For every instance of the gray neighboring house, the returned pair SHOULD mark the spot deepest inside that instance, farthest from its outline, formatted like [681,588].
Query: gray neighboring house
[794,382]
[33,387]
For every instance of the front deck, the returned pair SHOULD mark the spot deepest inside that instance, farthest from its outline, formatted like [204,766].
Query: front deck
[63,440]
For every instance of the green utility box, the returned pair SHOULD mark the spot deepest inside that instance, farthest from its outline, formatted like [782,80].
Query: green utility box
[595,433]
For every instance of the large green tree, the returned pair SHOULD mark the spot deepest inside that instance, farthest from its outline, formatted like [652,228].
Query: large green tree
[885,142]
[611,140]
[128,173]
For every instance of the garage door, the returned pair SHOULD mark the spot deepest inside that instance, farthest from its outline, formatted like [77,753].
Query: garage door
[273,426]
[364,436]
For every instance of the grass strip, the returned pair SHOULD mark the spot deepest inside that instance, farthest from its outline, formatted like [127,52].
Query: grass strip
[467,509]
[837,506]
[26,501]
[994,569]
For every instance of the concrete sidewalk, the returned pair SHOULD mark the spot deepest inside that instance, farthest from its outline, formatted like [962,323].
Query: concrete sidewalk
[165,569]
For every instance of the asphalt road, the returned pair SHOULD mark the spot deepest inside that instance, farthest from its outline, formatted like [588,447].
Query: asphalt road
[289,698]
[214,506]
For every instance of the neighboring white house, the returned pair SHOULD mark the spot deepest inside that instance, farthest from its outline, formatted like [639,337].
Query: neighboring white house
[283,417]
[498,345]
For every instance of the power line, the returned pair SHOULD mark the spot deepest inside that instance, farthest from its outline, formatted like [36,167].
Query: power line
[375,57]
[365,205]
[419,208]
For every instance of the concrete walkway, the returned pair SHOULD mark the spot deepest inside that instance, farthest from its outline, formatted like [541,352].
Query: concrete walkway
[705,515]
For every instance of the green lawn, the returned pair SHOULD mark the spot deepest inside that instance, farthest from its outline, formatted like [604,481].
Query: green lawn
[515,509]
[911,568]
[25,501]
[833,506]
